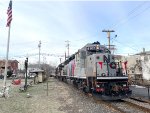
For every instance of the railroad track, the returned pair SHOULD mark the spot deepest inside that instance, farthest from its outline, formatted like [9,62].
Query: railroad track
[114,107]
[141,105]
[140,99]
[124,106]
[121,106]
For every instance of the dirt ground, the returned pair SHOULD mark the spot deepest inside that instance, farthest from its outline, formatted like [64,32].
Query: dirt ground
[62,98]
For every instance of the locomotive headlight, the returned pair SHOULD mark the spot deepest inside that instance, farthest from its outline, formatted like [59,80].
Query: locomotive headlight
[103,74]
[97,86]
[97,47]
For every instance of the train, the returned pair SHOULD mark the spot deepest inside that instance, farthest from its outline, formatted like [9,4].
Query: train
[94,69]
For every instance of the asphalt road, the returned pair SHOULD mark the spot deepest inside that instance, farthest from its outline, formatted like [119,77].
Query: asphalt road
[140,91]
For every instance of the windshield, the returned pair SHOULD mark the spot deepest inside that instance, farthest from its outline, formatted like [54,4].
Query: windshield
[90,52]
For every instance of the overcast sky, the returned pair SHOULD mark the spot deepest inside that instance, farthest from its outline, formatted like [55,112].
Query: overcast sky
[80,22]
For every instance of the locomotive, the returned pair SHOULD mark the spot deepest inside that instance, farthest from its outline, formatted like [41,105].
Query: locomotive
[95,70]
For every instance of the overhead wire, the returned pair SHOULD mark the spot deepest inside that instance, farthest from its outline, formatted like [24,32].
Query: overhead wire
[136,15]
[133,11]
[129,15]
[126,45]
[35,54]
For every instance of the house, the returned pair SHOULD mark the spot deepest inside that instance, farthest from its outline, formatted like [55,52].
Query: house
[12,66]
[138,67]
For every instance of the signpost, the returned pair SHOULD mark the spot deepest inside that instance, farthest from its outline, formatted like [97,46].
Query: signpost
[26,67]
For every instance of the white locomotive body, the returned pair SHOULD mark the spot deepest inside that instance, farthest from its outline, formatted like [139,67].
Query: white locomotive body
[94,69]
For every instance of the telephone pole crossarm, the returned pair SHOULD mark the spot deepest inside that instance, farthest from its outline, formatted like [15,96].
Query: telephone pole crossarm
[108,36]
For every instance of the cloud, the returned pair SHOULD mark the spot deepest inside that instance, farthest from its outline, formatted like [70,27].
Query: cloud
[80,22]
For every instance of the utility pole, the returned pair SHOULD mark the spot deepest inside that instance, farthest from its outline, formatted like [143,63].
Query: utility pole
[26,68]
[60,60]
[39,45]
[65,55]
[67,46]
[108,36]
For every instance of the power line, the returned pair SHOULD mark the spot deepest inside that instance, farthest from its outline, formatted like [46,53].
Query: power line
[36,54]
[122,21]
[22,43]
[67,41]
[136,8]
[130,13]
[125,45]
[139,13]
[131,17]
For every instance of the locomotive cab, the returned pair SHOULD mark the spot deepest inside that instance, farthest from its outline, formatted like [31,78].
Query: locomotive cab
[110,76]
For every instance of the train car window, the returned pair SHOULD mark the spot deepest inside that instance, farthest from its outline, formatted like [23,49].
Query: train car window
[87,48]
[101,51]
[89,53]
[107,51]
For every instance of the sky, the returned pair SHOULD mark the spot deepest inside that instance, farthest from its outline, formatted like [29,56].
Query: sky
[79,22]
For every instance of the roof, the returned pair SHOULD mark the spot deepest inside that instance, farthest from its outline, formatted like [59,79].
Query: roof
[143,53]
[9,60]
[37,70]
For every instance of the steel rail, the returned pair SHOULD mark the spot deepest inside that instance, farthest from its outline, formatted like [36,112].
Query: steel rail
[109,105]
[147,110]
[140,99]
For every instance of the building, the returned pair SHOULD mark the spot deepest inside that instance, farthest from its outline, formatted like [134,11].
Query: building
[138,67]
[145,63]
[39,76]
[12,66]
